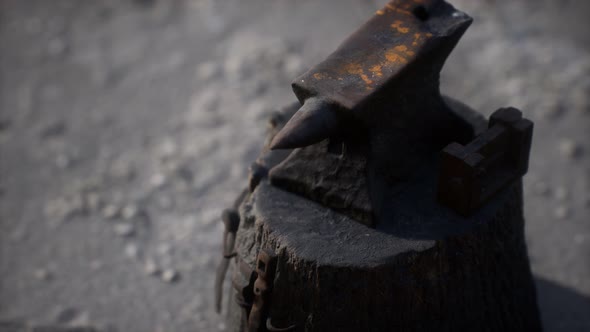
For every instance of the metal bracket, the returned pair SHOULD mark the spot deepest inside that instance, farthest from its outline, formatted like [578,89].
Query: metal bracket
[243,282]
[266,266]
[472,174]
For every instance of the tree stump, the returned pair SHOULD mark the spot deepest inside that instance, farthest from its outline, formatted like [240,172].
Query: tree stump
[428,269]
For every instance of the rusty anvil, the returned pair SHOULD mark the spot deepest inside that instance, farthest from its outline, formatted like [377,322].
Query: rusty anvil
[377,96]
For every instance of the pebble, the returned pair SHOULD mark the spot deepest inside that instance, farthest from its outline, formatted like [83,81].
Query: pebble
[132,250]
[150,267]
[54,129]
[82,320]
[570,149]
[124,229]
[62,161]
[66,315]
[92,201]
[167,148]
[157,180]
[122,170]
[170,275]
[72,317]
[562,212]
[561,193]
[110,211]
[63,208]
[129,211]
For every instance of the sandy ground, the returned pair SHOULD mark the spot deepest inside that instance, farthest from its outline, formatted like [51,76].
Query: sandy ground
[127,126]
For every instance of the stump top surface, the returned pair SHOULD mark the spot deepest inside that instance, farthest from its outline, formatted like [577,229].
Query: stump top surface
[315,233]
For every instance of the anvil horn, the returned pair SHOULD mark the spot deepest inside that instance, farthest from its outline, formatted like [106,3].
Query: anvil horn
[315,121]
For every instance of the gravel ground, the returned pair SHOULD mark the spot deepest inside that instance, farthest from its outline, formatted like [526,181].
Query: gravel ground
[126,126]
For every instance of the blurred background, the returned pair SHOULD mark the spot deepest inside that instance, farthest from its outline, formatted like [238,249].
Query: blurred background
[127,126]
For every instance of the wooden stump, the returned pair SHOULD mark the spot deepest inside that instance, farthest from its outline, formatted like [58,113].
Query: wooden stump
[426,269]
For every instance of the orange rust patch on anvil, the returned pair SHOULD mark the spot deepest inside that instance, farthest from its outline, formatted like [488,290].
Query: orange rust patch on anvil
[357,69]
[398,26]
[398,55]
[376,70]
[320,76]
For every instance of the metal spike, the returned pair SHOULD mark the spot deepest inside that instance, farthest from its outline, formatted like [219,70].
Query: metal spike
[315,121]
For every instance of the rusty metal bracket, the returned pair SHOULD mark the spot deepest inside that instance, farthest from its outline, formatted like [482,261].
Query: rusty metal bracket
[266,265]
[243,282]
[472,174]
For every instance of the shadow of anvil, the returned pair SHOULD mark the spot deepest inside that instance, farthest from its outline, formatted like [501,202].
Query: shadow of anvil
[369,225]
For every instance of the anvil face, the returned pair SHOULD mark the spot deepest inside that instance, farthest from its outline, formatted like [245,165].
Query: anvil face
[391,42]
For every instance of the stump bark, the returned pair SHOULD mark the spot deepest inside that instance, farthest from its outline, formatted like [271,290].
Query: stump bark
[425,269]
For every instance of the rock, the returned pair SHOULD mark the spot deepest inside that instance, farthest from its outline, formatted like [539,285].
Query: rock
[570,149]
[167,148]
[80,321]
[132,250]
[170,275]
[150,267]
[92,201]
[561,193]
[562,212]
[62,208]
[129,212]
[62,161]
[124,229]
[110,211]
[185,174]
[122,170]
[66,315]
[157,180]
[221,326]
[53,130]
